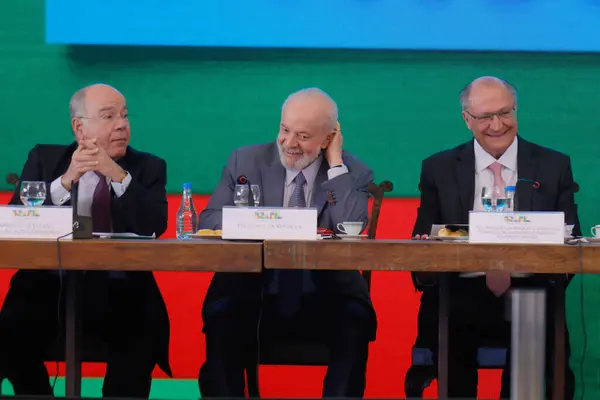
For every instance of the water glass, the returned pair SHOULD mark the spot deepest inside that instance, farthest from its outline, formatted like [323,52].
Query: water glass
[240,195]
[33,193]
[493,198]
[256,195]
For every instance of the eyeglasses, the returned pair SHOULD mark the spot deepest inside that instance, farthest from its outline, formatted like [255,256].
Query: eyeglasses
[109,118]
[488,118]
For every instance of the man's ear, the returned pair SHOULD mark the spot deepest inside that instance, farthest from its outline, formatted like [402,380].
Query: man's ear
[77,127]
[328,140]
[466,118]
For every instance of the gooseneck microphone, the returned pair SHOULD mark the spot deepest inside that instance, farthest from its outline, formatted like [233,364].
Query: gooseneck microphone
[535,184]
[243,180]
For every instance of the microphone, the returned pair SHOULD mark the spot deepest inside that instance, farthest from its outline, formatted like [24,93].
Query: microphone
[535,184]
[82,225]
[243,180]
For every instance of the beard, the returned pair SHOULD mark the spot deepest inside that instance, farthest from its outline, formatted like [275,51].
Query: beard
[297,164]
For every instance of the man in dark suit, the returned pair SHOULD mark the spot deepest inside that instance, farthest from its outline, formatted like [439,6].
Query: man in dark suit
[124,191]
[451,185]
[305,167]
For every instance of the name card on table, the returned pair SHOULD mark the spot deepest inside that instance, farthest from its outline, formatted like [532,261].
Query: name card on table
[517,227]
[256,223]
[19,222]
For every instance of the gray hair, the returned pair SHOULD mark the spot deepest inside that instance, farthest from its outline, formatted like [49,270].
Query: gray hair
[332,117]
[77,103]
[464,94]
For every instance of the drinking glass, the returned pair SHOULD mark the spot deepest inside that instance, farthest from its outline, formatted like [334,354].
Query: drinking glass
[256,195]
[240,197]
[493,198]
[33,193]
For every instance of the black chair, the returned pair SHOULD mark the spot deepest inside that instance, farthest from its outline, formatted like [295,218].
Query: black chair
[311,354]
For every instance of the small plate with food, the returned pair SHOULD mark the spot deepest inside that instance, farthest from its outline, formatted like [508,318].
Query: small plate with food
[207,234]
[450,232]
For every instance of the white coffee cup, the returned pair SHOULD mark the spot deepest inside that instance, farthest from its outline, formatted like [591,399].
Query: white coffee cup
[350,228]
[596,231]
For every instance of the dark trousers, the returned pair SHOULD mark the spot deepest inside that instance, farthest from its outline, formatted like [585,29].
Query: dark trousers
[479,319]
[231,342]
[30,328]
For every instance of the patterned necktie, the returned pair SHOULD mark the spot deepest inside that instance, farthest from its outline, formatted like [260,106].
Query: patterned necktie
[497,281]
[101,206]
[290,280]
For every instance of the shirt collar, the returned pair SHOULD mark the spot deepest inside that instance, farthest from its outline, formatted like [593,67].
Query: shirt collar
[310,173]
[483,159]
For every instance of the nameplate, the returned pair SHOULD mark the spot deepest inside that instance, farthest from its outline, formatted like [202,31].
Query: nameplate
[256,223]
[517,227]
[19,222]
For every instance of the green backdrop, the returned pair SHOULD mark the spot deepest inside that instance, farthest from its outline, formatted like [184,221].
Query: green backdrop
[192,106]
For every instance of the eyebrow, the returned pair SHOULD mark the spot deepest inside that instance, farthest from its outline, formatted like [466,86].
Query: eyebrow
[502,110]
[112,108]
[304,132]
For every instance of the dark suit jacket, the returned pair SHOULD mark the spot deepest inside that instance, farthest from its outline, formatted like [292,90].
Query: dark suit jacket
[448,190]
[142,209]
[262,165]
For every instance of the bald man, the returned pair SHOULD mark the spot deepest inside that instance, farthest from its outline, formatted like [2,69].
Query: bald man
[302,168]
[451,186]
[123,190]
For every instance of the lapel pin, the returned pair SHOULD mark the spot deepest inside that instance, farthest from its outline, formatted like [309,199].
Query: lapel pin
[330,198]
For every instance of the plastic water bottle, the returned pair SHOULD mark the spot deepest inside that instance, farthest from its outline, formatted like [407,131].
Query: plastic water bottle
[510,197]
[187,218]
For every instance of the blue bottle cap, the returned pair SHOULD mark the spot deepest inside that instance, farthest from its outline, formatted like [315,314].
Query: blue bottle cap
[187,185]
[511,188]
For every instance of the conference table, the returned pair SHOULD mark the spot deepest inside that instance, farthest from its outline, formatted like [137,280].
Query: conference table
[444,257]
[214,255]
[78,256]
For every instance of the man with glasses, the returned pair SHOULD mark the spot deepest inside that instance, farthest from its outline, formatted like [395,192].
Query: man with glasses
[123,190]
[451,185]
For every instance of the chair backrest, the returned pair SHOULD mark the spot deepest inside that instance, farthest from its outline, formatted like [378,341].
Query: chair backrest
[377,191]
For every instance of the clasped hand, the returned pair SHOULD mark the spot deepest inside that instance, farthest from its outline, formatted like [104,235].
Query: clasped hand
[91,157]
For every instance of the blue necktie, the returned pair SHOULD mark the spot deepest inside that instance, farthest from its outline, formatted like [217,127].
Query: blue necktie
[290,280]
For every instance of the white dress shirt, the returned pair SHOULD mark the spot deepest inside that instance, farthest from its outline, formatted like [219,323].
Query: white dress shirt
[485,177]
[85,194]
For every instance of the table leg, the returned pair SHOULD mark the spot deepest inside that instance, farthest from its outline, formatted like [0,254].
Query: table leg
[73,333]
[528,344]
[442,376]
[559,340]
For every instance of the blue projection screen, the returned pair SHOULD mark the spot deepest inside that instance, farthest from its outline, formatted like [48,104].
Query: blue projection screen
[520,25]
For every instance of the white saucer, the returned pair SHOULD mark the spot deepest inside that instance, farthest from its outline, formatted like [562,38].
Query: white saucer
[344,236]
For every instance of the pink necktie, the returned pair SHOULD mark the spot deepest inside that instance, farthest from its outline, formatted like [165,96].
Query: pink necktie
[496,168]
[497,281]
